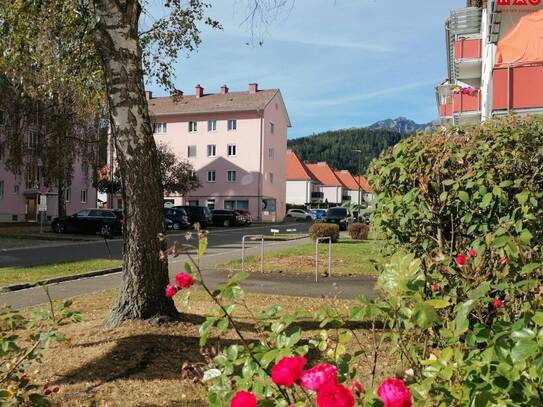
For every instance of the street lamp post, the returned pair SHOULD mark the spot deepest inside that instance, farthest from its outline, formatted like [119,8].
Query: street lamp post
[358,181]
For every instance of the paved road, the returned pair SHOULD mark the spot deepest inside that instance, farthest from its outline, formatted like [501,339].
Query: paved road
[282,284]
[55,252]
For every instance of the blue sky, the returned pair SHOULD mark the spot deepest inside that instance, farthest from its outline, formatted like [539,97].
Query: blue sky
[338,63]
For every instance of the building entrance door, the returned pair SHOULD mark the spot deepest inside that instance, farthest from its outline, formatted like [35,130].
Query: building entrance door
[31,209]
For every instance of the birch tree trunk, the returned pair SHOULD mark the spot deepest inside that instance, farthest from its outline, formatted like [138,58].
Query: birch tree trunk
[145,276]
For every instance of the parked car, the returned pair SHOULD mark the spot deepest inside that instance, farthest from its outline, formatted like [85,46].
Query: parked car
[300,214]
[246,215]
[319,213]
[338,215]
[200,214]
[106,222]
[225,217]
[178,217]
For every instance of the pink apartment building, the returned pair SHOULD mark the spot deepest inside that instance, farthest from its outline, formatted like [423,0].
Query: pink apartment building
[19,193]
[236,142]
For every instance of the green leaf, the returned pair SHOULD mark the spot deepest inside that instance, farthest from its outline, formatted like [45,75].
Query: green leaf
[524,349]
[463,195]
[188,268]
[38,400]
[202,246]
[480,291]
[461,321]
[528,268]
[424,315]
[238,277]
[487,200]
[438,304]
[501,241]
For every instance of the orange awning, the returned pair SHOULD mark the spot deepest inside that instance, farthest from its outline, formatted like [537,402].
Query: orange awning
[524,43]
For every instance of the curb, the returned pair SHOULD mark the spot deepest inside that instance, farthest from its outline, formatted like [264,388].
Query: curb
[37,236]
[54,280]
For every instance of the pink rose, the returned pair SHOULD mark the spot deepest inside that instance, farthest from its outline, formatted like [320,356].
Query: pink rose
[436,287]
[288,370]
[317,376]
[171,290]
[243,399]
[184,280]
[357,387]
[461,260]
[472,253]
[394,393]
[334,395]
[504,261]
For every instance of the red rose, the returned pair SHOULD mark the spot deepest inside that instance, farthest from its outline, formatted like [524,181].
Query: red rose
[171,290]
[461,260]
[318,376]
[472,253]
[334,395]
[357,387]
[288,370]
[497,303]
[436,287]
[504,261]
[184,280]
[394,393]
[243,399]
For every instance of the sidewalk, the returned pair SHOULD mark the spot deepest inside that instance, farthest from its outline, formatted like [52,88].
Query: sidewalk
[283,284]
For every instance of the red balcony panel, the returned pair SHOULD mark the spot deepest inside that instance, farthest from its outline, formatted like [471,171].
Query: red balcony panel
[525,84]
[445,110]
[464,49]
[466,103]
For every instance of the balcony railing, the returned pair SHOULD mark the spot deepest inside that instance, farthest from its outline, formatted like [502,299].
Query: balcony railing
[517,87]
[317,195]
[466,103]
[346,198]
[467,49]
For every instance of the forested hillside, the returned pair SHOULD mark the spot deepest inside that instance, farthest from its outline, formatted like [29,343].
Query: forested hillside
[335,147]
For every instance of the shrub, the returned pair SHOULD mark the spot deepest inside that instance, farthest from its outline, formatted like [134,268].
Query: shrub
[358,231]
[324,230]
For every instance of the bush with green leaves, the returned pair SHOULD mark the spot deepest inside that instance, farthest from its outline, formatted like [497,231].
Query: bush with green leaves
[324,230]
[22,341]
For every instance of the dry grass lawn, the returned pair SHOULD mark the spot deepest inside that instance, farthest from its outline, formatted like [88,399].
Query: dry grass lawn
[140,365]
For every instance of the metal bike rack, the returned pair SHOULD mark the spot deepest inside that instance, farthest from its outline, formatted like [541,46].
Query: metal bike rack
[319,239]
[261,237]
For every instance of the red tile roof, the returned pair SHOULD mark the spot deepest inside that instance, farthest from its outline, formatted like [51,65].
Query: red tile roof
[296,169]
[348,180]
[364,184]
[325,175]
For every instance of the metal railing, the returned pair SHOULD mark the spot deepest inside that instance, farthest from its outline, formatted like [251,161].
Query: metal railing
[319,239]
[253,237]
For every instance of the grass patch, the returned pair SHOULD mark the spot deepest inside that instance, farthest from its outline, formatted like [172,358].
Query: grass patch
[284,237]
[141,365]
[13,275]
[349,257]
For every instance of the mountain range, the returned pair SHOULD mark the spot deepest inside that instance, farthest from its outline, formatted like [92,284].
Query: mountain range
[337,147]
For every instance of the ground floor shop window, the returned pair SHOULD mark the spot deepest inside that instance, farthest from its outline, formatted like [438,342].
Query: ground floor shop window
[237,204]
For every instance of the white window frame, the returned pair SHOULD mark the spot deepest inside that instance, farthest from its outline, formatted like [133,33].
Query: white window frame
[193,126]
[212,150]
[160,127]
[231,148]
[212,176]
[195,148]
[67,194]
[84,195]
[212,125]
[231,176]
[232,124]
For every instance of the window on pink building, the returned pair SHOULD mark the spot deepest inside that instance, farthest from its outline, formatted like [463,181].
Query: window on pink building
[1,189]
[191,151]
[211,125]
[272,128]
[232,124]
[211,176]
[159,127]
[271,153]
[193,126]
[211,150]
[231,149]
[84,196]
[231,177]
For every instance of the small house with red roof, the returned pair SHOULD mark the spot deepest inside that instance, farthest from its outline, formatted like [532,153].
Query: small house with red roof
[303,188]
[333,190]
[352,190]
[368,194]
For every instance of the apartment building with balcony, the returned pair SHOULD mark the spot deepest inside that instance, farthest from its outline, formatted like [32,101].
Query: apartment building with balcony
[494,59]
[352,191]
[20,192]
[332,189]
[236,142]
